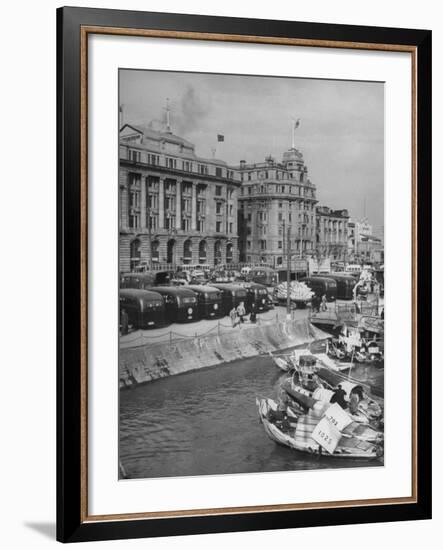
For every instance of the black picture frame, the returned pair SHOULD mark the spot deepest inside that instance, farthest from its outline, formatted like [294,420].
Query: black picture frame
[72,525]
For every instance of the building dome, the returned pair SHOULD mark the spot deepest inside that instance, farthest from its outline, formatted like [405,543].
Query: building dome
[292,154]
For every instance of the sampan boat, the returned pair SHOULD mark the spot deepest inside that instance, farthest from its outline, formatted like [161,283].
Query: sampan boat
[358,441]
[282,362]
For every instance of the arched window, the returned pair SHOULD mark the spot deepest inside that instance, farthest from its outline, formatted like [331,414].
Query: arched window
[202,252]
[217,252]
[187,252]
[135,255]
[229,253]
[155,245]
[170,252]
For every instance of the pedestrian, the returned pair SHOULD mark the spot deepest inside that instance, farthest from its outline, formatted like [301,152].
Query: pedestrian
[124,322]
[241,312]
[253,315]
[233,316]
[324,304]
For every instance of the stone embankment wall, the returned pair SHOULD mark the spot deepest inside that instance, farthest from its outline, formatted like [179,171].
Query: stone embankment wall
[151,362]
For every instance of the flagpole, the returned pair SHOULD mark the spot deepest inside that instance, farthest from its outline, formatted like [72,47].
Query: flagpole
[295,125]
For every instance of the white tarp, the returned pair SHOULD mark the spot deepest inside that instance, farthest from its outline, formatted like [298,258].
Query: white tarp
[326,435]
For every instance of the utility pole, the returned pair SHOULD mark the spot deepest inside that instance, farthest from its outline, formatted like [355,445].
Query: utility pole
[288,272]
[148,213]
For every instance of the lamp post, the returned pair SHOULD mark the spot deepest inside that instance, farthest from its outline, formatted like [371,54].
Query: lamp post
[148,212]
[287,253]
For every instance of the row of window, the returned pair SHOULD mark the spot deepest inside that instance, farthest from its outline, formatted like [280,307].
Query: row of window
[170,223]
[135,181]
[272,174]
[170,204]
[303,207]
[280,189]
[170,189]
[202,249]
[262,217]
[263,244]
[301,231]
[179,164]
[332,224]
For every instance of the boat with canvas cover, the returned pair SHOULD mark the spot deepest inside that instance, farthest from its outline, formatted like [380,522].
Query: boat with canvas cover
[316,432]
[366,409]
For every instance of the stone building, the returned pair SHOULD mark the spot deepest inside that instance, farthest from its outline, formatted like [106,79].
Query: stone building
[363,245]
[174,207]
[274,196]
[332,233]
[371,250]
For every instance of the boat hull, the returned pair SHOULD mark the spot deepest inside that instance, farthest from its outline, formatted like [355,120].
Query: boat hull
[288,440]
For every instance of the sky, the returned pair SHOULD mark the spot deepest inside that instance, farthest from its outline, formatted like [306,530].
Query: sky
[341,131]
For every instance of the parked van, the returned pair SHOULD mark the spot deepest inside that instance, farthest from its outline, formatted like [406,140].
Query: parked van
[146,279]
[209,300]
[145,309]
[180,303]
[264,276]
[345,285]
[322,285]
[257,295]
[232,295]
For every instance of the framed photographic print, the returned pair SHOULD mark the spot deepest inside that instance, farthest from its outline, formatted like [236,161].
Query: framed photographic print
[244,244]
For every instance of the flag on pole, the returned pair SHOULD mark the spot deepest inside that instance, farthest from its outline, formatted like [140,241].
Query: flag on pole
[297,123]
[220,137]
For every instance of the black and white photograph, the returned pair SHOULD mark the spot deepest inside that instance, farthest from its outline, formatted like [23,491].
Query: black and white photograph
[226,211]
[251,286]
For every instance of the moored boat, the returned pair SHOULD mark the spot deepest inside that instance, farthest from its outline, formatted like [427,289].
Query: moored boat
[281,361]
[355,440]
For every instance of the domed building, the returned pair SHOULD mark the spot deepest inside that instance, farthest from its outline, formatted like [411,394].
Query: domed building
[275,196]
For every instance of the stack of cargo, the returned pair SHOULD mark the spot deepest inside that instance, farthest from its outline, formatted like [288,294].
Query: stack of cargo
[298,292]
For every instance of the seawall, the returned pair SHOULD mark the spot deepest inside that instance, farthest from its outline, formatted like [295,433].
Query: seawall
[153,361]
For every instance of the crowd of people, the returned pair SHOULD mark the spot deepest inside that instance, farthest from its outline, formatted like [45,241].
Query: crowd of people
[238,314]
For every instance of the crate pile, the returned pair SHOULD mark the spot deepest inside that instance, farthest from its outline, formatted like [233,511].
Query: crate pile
[298,292]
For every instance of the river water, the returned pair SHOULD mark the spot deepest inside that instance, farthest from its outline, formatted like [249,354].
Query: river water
[206,422]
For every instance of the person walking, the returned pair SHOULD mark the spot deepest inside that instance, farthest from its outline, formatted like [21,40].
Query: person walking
[233,316]
[324,304]
[241,311]
[253,315]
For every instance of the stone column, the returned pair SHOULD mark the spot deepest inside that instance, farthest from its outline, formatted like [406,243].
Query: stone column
[210,209]
[124,208]
[161,204]
[194,207]
[123,184]
[143,183]
[178,205]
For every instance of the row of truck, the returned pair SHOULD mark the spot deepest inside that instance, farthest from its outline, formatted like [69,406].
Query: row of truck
[149,306]
[149,300]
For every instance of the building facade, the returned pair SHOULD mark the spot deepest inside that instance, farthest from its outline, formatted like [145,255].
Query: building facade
[331,233]
[363,245]
[175,207]
[371,250]
[275,196]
